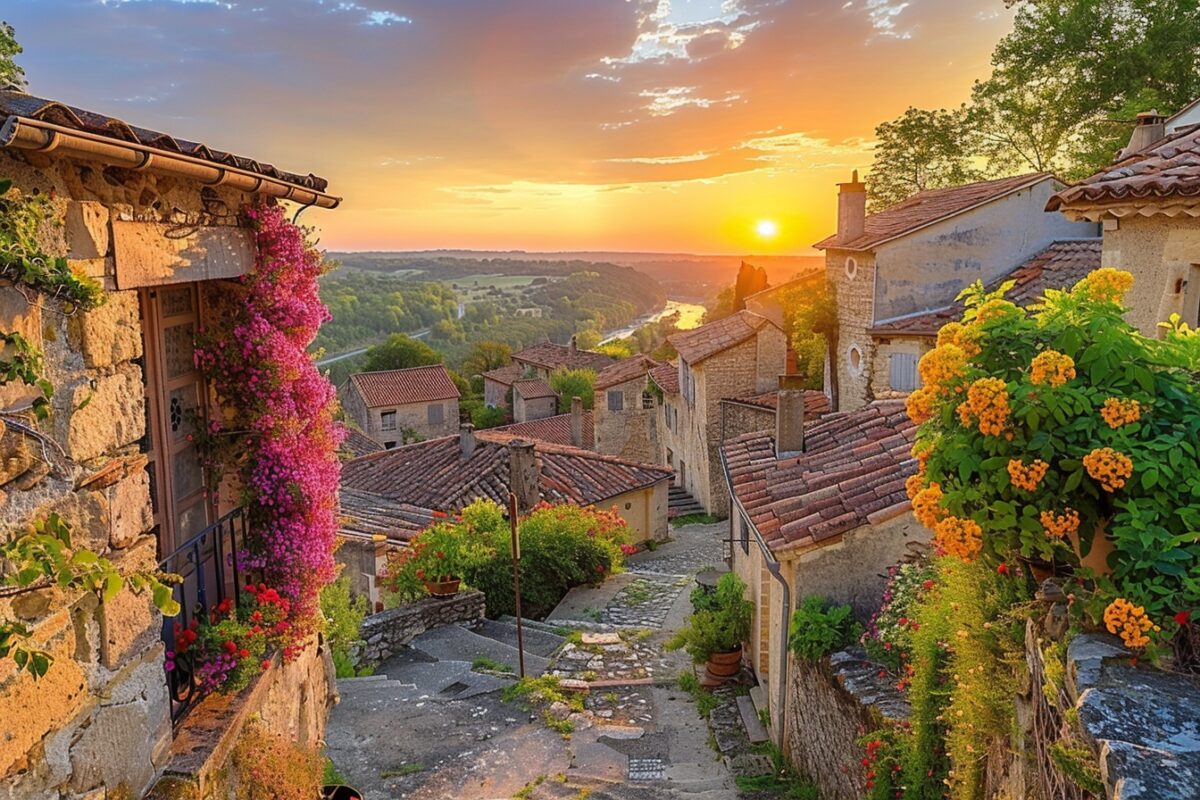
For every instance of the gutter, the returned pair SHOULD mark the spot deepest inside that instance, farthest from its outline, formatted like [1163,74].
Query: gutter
[773,567]
[35,135]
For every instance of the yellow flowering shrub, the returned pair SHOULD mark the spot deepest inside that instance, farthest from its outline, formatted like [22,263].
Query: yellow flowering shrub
[919,405]
[987,405]
[1120,411]
[959,537]
[1051,367]
[1129,622]
[996,308]
[927,506]
[1058,526]
[1108,285]
[942,368]
[1108,467]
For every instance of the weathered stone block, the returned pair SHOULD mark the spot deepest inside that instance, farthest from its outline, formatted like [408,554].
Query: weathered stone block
[17,315]
[113,750]
[111,333]
[87,515]
[129,623]
[86,229]
[112,414]
[129,509]
[153,254]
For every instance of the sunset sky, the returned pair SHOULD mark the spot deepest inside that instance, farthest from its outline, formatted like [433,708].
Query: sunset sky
[661,125]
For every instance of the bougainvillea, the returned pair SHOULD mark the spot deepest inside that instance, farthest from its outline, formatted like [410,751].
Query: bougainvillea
[277,432]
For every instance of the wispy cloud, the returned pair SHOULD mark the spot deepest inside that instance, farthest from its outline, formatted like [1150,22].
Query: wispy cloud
[664,102]
[883,14]
[685,159]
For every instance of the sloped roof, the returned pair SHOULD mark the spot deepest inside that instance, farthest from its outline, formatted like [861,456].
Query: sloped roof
[816,402]
[853,467]
[555,430]
[504,375]
[1167,171]
[623,371]
[433,474]
[533,389]
[370,514]
[706,341]
[15,104]
[358,444]
[549,355]
[398,387]
[666,377]
[1059,266]
[816,275]
[928,207]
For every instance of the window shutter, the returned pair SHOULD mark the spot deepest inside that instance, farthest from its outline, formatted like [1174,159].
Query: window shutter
[903,368]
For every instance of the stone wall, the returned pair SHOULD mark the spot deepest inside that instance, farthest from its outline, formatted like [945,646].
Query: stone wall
[412,418]
[530,409]
[627,433]
[1162,254]
[880,372]
[738,419]
[386,632]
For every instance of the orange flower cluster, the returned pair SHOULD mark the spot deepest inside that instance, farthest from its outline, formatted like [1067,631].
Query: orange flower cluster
[1129,622]
[1052,367]
[1118,411]
[1026,477]
[959,537]
[942,367]
[1110,467]
[921,452]
[960,336]
[913,485]
[987,402]
[919,405]
[1108,285]
[927,506]
[1059,525]
[995,309]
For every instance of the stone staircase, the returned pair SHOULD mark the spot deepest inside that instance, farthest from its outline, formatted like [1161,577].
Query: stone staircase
[680,503]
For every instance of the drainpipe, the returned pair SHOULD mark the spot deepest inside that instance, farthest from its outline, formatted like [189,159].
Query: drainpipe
[775,569]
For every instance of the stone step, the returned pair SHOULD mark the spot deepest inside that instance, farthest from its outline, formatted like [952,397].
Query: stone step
[452,643]
[754,726]
[539,642]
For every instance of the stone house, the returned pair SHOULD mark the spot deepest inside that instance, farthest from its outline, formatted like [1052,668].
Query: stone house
[1147,203]
[755,413]
[624,410]
[818,508]
[540,360]
[740,355]
[575,428]
[397,405]
[497,385]
[155,222]
[915,257]
[533,399]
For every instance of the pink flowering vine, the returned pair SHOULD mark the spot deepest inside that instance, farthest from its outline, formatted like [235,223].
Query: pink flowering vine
[278,433]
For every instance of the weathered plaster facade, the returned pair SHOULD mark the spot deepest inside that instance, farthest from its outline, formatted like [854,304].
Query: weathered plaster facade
[1163,254]
[531,408]
[629,432]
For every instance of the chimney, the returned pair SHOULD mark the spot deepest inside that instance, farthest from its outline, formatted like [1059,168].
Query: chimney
[466,439]
[524,480]
[574,345]
[852,209]
[789,417]
[1148,131]
[577,421]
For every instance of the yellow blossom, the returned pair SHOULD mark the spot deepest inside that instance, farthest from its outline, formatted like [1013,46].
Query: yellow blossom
[959,537]
[1120,411]
[1026,477]
[942,367]
[919,405]
[1052,367]
[987,404]
[1107,285]
[1108,467]
[1060,525]
[995,309]
[927,506]
[1129,622]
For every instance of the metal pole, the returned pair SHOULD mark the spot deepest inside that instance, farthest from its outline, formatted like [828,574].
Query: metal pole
[516,555]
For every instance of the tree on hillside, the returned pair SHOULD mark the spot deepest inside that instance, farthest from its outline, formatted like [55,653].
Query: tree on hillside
[587,339]
[921,149]
[400,351]
[572,383]
[10,73]
[720,306]
[809,318]
[486,355]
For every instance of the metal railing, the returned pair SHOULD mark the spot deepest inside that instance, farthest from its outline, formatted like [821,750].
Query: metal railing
[208,563]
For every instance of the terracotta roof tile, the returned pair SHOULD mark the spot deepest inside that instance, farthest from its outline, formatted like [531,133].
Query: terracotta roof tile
[504,375]
[358,444]
[815,403]
[533,389]
[854,464]
[625,370]
[1169,170]
[666,377]
[368,514]
[555,430]
[1059,266]
[398,387]
[549,355]
[928,207]
[433,474]
[700,343]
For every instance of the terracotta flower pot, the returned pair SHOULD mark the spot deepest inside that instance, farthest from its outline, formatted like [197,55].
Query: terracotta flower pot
[725,665]
[447,587]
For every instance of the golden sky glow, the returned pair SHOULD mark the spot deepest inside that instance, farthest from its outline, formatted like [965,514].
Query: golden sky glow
[655,125]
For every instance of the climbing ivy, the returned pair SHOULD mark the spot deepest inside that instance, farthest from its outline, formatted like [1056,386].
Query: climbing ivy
[24,364]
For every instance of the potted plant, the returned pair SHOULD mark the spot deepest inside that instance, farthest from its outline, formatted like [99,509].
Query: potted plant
[435,561]
[715,632]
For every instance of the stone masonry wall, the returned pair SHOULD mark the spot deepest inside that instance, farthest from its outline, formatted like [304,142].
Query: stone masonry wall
[627,433]
[386,632]
[855,303]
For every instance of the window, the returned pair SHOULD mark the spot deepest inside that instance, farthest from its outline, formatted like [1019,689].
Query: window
[388,445]
[647,400]
[854,358]
[387,421]
[435,414]
[851,268]
[903,372]
[616,400]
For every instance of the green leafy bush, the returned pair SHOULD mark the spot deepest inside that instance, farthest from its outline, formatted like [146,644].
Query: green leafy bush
[721,622]
[818,628]
[344,615]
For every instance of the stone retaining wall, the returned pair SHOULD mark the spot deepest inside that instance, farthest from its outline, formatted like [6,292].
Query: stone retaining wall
[386,632]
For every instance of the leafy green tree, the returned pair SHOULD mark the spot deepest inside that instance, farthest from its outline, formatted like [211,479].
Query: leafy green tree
[720,306]
[572,383]
[400,351]
[921,149]
[11,73]
[809,318]
[486,355]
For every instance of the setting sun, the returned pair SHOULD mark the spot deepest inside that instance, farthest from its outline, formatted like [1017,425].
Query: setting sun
[766,228]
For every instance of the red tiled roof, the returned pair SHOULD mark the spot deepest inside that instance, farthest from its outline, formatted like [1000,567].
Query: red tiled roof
[1059,266]
[504,376]
[433,474]
[623,371]
[398,387]
[1169,170]
[555,430]
[928,207]
[358,444]
[18,104]
[533,389]
[854,466]
[816,402]
[549,355]
[368,514]
[700,343]
[666,377]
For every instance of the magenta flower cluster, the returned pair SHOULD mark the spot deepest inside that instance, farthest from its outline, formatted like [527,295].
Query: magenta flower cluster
[278,431]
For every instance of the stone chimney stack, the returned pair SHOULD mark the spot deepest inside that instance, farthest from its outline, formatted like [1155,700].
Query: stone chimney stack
[852,209]
[577,421]
[524,480]
[466,440]
[1148,131]
[574,343]
[789,417]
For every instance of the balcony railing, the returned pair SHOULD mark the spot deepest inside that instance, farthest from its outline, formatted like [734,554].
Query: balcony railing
[208,563]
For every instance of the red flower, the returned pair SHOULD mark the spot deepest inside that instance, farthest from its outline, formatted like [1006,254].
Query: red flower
[1002,568]
[439,514]
[230,647]
[439,554]
[600,568]
[927,585]
[902,621]
[420,574]
[266,662]
[243,653]
[1183,617]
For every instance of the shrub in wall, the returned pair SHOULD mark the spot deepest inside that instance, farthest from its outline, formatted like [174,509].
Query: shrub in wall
[819,628]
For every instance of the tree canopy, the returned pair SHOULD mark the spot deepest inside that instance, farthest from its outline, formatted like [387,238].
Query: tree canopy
[921,149]
[570,383]
[400,352]
[11,73]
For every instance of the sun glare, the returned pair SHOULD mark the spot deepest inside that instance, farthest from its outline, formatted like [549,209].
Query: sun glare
[766,228]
